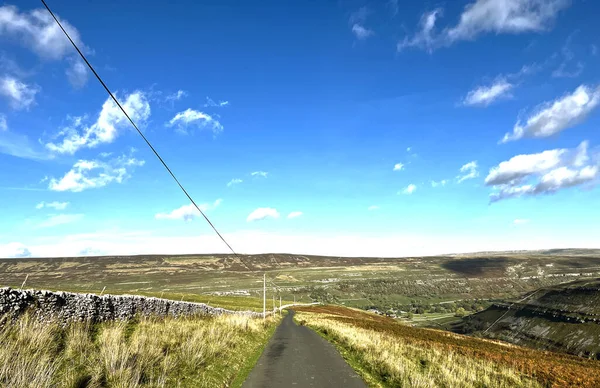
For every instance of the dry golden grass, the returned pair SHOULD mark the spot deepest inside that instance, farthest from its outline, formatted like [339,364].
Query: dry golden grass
[199,352]
[400,364]
[392,354]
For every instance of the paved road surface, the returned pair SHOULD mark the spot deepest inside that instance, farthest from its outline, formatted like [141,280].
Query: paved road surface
[297,357]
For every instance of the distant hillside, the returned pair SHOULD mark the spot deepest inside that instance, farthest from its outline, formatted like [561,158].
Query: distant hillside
[431,284]
[561,318]
[545,252]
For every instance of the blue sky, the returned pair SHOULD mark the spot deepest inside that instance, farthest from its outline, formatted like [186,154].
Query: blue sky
[385,128]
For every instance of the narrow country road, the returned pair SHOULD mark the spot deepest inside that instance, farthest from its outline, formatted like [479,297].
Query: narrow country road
[298,357]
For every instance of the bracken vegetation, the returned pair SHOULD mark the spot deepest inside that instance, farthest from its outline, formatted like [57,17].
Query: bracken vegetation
[389,354]
[190,352]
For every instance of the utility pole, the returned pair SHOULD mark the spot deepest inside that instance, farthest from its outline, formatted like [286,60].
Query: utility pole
[280,305]
[264,296]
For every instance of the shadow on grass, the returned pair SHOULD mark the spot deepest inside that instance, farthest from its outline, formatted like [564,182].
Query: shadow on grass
[478,267]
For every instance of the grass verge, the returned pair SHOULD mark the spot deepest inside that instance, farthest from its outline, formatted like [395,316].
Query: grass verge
[252,359]
[189,352]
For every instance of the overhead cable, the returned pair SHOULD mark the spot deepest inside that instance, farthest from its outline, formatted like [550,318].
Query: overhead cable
[142,135]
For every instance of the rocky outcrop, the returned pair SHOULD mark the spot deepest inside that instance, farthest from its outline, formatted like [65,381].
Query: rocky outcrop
[68,306]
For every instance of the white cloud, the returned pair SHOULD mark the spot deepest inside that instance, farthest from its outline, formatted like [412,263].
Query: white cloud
[543,173]
[18,94]
[485,95]
[294,214]
[361,32]
[120,242]
[38,31]
[409,189]
[77,73]
[556,116]
[260,173]
[183,120]
[106,128]
[520,221]
[59,219]
[357,22]
[3,123]
[89,174]
[562,72]
[234,181]
[425,37]
[262,213]
[439,183]
[178,95]
[187,212]
[373,207]
[553,181]
[55,205]
[563,177]
[505,16]
[18,145]
[521,166]
[359,15]
[14,250]
[9,66]
[393,5]
[509,191]
[501,87]
[469,171]
[398,166]
[594,49]
[211,103]
[568,56]
[486,16]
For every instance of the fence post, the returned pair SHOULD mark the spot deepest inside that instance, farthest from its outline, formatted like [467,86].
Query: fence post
[24,281]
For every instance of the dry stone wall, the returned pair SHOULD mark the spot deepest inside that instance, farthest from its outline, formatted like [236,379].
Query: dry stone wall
[68,306]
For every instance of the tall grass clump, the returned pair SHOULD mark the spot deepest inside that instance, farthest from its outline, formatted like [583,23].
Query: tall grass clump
[192,352]
[27,353]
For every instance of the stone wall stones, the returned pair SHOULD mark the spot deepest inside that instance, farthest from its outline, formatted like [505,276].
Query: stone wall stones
[68,306]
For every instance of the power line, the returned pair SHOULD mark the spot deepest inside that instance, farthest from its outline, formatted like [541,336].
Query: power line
[508,310]
[141,134]
[275,285]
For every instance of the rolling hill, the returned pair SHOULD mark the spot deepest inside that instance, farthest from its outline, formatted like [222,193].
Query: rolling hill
[409,283]
[563,318]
